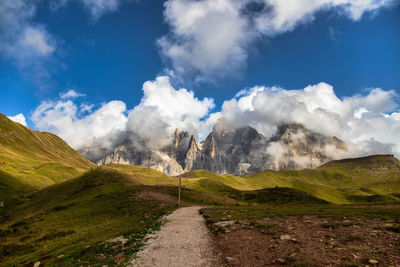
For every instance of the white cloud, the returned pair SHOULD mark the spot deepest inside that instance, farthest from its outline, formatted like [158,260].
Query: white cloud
[97,132]
[163,109]
[213,37]
[18,118]
[28,43]
[37,40]
[21,39]
[71,93]
[367,123]
[205,35]
[98,8]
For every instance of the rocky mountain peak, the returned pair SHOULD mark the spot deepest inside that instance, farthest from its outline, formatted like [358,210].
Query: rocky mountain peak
[233,150]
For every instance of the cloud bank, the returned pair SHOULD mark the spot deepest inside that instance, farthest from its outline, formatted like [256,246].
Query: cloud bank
[212,38]
[366,122]
[369,124]
[96,132]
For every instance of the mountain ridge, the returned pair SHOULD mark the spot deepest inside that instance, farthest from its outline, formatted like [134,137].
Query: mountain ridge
[238,151]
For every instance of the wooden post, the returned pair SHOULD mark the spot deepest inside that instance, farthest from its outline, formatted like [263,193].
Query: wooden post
[179,194]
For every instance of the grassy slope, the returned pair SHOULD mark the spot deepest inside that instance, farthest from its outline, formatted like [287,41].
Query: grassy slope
[11,190]
[37,159]
[65,218]
[369,179]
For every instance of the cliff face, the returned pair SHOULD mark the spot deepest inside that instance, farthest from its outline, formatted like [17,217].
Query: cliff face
[236,151]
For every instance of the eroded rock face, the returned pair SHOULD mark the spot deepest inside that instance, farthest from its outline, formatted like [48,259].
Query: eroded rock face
[127,153]
[237,151]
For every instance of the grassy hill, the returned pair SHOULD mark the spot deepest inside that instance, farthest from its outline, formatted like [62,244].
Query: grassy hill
[36,159]
[367,179]
[69,223]
[359,180]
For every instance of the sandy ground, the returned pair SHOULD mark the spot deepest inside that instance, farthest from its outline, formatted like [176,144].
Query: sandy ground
[183,241]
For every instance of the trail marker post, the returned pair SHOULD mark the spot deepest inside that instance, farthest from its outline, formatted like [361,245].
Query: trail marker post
[179,192]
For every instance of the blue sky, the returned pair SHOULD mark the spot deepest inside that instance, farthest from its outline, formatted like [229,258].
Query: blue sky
[108,51]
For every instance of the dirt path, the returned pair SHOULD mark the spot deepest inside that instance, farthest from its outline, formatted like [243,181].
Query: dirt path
[183,241]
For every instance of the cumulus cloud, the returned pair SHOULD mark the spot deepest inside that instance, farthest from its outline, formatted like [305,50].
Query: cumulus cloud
[213,37]
[97,131]
[28,43]
[20,38]
[205,35]
[369,123]
[71,93]
[163,109]
[18,118]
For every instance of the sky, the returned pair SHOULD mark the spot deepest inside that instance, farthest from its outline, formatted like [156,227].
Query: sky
[93,70]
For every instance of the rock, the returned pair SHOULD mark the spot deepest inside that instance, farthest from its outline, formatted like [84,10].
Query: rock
[388,225]
[285,237]
[230,260]
[224,223]
[118,239]
[60,256]
[281,260]
[372,261]
[37,264]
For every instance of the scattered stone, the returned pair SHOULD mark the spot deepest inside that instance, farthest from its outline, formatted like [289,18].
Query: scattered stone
[308,221]
[285,237]
[36,264]
[281,260]
[372,261]
[120,239]
[224,223]
[230,259]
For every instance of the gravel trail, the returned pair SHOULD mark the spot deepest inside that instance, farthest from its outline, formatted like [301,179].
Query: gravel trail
[183,241]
